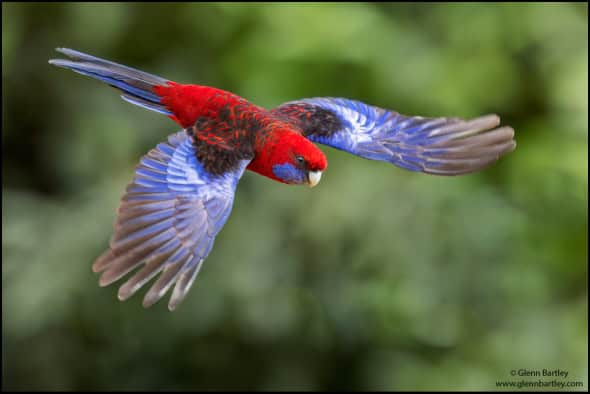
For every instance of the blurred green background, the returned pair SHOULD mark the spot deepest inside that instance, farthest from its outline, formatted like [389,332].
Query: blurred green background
[378,279]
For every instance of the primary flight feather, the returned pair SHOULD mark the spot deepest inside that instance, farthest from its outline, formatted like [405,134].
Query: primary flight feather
[183,190]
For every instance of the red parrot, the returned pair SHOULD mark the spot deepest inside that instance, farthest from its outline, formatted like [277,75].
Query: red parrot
[183,190]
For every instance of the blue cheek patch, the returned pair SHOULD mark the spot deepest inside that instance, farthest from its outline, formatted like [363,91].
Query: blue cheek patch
[287,173]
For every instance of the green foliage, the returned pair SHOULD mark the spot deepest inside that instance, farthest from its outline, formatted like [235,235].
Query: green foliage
[376,279]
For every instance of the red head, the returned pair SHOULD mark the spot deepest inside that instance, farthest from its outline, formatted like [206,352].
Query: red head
[287,156]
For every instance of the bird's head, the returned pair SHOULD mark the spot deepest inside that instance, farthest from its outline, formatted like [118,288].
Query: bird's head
[296,160]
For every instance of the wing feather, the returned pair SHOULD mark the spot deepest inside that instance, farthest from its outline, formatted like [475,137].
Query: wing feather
[440,146]
[167,222]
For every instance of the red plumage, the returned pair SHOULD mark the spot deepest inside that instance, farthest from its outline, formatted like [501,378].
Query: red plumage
[228,121]
[189,102]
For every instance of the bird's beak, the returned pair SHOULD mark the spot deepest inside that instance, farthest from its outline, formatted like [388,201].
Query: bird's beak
[314,177]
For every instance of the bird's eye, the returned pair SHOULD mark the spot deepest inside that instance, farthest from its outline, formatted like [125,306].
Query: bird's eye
[300,159]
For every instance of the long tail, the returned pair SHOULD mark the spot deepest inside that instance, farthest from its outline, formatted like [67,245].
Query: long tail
[137,86]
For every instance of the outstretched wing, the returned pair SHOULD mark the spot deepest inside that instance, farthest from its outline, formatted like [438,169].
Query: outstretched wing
[441,146]
[167,221]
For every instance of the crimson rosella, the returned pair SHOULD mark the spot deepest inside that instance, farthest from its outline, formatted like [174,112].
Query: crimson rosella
[183,190]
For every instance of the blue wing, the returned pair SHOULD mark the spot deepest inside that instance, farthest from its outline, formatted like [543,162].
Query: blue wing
[441,146]
[167,222]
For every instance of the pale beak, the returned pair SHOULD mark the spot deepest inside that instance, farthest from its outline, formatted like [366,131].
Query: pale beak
[314,177]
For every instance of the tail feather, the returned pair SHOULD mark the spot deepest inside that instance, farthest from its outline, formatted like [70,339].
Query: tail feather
[137,86]
[147,104]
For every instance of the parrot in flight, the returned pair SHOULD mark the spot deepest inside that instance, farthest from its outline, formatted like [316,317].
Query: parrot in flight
[183,190]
